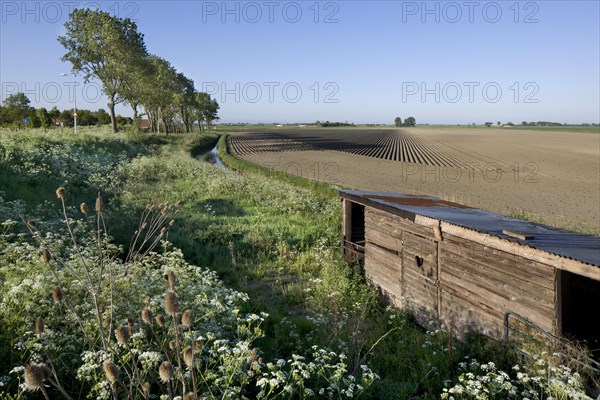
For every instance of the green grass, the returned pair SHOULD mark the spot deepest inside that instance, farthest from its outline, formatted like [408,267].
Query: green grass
[565,128]
[35,163]
[243,166]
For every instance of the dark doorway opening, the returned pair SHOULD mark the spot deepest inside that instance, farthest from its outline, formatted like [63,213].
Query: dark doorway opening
[354,240]
[357,233]
[580,302]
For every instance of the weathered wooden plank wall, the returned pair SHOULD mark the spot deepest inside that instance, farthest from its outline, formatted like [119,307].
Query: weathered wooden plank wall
[489,282]
[463,283]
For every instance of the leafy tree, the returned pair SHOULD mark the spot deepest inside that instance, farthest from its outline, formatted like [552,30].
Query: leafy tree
[86,117]
[488,124]
[185,100]
[4,117]
[54,114]
[104,47]
[398,122]
[138,84]
[17,100]
[123,120]
[44,117]
[16,108]
[156,95]
[102,117]
[498,123]
[410,121]
[33,120]
[207,109]
[67,117]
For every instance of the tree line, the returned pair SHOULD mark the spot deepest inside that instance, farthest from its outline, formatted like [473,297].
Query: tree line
[328,124]
[16,112]
[111,50]
[525,123]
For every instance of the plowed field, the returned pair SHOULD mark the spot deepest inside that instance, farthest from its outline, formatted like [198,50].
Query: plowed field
[552,176]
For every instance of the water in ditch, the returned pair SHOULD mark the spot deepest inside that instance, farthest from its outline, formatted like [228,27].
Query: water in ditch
[213,158]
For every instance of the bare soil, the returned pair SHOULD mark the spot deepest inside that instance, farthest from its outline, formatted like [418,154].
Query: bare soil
[547,176]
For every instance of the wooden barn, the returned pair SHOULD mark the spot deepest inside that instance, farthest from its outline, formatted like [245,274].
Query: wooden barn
[467,268]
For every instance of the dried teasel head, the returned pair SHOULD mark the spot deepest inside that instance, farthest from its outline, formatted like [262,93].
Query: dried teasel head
[188,357]
[146,390]
[46,371]
[163,231]
[39,325]
[122,334]
[187,319]
[131,325]
[144,226]
[111,371]
[172,222]
[60,192]
[179,203]
[171,279]
[34,377]
[165,371]
[107,321]
[46,254]
[31,223]
[147,316]
[172,345]
[189,396]
[198,344]
[160,320]
[99,204]
[172,307]
[84,208]
[57,295]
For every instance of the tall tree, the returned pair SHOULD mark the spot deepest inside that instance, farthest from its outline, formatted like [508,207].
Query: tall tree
[44,117]
[54,114]
[157,93]
[104,47]
[398,122]
[103,117]
[185,100]
[206,110]
[16,108]
[134,87]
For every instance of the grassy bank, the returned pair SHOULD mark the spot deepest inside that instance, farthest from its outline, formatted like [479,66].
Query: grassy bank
[274,246]
[238,164]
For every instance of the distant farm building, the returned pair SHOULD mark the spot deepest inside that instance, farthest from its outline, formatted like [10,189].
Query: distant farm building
[467,268]
[145,125]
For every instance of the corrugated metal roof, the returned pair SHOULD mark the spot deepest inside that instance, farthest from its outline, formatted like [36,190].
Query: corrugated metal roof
[560,242]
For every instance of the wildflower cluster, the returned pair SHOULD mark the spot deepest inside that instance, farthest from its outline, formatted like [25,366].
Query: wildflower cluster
[90,323]
[65,158]
[543,379]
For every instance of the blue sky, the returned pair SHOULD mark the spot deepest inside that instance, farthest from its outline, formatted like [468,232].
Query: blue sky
[357,61]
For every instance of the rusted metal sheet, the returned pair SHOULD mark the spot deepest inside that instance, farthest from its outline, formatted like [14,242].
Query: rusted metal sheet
[560,242]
